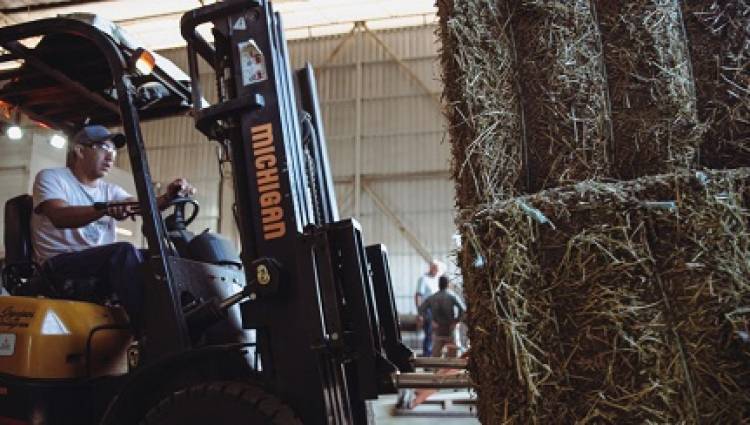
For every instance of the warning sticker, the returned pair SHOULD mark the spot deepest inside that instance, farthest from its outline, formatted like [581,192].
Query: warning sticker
[253,63]
[7,344]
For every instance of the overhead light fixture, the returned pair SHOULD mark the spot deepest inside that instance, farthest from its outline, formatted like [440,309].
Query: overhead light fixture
[144,61]
[14,132]
[58,141]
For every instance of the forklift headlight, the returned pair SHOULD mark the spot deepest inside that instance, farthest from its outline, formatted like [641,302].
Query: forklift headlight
[144,61]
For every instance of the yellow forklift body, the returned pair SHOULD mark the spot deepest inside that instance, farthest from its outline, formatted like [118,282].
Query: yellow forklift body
[41,338]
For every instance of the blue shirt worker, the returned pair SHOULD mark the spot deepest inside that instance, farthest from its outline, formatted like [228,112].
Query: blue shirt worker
[426,286]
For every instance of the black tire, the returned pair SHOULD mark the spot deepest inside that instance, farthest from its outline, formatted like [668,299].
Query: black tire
[221,403]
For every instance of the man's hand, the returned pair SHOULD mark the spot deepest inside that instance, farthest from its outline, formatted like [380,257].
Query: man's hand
[179,187]
[122,211]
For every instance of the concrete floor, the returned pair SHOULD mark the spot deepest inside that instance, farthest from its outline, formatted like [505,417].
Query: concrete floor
[383,409]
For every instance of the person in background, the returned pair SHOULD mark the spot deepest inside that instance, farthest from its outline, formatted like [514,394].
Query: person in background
[446,310]
[426,286]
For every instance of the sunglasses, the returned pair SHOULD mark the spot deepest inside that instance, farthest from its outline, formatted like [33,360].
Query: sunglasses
[104,147]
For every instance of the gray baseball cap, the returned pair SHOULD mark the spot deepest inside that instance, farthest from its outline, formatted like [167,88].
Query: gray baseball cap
[92,134]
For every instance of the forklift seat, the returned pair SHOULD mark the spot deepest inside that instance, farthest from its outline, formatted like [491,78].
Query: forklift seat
[21,275]
[19,265]
[18,249]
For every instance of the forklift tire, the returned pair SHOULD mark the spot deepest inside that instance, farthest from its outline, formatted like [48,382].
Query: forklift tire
[221,403]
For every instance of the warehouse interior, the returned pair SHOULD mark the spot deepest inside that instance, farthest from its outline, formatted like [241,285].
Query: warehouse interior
[374,211]
[379,90]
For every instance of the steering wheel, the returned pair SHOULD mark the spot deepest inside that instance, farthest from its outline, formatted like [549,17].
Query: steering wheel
[177,219]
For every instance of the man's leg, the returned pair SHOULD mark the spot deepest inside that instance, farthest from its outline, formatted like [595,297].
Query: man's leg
[117,266]
[427,343]
[438,342]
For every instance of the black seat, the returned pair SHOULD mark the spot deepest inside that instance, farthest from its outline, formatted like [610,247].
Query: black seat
[19,264]
[21,275]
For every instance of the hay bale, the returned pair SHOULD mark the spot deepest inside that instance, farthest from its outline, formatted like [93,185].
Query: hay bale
[616,303]
[558,131]
[564,93]
[719,33]
[482,107]
[656,127]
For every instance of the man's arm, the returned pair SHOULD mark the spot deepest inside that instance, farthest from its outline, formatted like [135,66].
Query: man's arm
[422,309]
[418,298]
[178,187]
[460,306]
[64,216]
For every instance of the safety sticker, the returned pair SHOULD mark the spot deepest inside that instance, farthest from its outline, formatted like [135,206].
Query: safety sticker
[253,63]
[240,25]
[7,344]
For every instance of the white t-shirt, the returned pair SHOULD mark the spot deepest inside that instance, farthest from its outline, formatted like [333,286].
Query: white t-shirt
[60,183]
[427,285]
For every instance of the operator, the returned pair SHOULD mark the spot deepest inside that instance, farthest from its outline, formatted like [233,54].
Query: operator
[74,240]
[426,286]
[446,310]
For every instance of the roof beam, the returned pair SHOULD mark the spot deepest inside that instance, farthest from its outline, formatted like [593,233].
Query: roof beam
[31,59]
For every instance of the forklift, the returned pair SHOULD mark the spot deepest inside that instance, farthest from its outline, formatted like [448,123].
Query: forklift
[299,327]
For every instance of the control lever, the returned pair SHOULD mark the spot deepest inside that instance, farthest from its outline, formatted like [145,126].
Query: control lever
[209,312]
[212,311]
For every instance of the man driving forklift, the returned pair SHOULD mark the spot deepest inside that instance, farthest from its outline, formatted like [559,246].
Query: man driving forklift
[74,221]
[318,302]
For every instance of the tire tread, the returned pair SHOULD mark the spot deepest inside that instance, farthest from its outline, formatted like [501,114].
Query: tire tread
[247,394]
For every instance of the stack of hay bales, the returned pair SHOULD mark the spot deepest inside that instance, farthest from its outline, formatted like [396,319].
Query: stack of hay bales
[603,300]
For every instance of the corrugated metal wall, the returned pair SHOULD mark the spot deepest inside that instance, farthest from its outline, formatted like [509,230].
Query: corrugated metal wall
[367,98]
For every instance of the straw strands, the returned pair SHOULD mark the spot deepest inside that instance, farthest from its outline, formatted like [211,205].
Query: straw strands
[656,127]
[719,34]
[482,104]
[564,93]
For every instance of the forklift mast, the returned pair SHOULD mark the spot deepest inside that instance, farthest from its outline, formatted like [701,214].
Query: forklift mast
[326,344]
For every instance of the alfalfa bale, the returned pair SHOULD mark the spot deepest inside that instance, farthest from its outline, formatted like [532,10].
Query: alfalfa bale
[481,98]
[719,34]
[563,92]
[654,115]
[577,309]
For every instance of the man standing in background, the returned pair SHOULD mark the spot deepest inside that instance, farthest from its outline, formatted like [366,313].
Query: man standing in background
[446,311]
[426,286]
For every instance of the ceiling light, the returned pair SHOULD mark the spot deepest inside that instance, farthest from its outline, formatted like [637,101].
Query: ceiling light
[14,132]
[57,141]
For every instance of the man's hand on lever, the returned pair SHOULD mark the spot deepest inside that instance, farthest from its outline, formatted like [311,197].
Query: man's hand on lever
[180,187]
[130,207]
[122,211]
[119,210]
